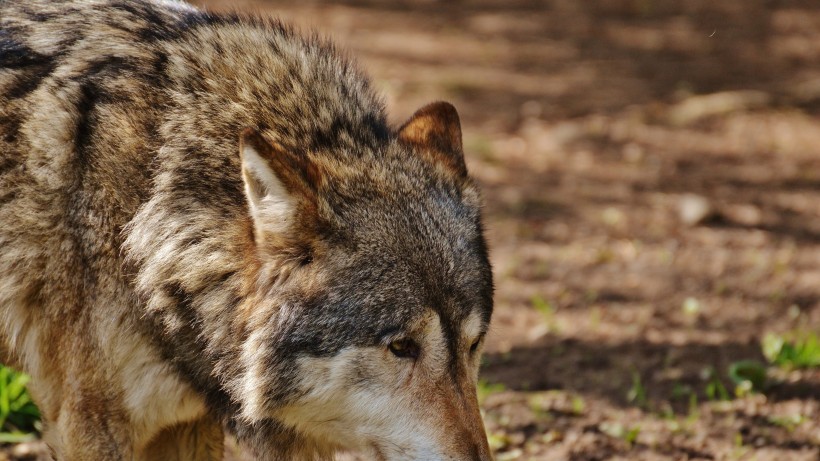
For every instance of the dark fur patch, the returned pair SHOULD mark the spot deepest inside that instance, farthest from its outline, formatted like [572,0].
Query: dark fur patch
[15,55]
[40,16]
[177,349]
[33,67]
[29,81]
[10,128]
[85,123]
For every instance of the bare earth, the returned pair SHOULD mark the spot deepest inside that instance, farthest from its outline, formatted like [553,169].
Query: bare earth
[651,171]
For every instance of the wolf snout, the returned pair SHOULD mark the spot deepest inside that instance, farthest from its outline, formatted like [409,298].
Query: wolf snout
[471,445]
[481,453]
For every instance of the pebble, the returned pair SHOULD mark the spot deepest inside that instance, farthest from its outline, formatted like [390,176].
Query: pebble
[694,209]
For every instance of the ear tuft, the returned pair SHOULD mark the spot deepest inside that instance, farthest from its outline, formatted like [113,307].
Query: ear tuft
[436,130]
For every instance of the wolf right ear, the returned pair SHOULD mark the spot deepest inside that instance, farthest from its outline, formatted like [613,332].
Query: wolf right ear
[435,131]
[276,183]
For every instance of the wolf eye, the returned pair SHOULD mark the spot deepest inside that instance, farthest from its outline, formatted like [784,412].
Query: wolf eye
[404,348]
[476,343]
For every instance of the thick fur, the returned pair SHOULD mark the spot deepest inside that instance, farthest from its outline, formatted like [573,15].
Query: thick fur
[206,224]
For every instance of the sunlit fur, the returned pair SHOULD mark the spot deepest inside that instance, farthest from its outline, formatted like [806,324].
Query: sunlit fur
[206,225]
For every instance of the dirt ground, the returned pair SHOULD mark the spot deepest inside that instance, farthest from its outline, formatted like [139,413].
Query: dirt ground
[651,171]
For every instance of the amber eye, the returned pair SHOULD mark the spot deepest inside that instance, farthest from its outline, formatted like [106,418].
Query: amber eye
[404,348]
[474,346]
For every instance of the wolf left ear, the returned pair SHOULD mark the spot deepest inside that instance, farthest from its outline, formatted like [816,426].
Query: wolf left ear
[277,182]
[435,130]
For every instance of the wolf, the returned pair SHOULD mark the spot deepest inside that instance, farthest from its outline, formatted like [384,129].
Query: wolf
[207,226]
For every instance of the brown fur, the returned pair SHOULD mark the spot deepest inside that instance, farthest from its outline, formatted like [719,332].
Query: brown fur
[206,225]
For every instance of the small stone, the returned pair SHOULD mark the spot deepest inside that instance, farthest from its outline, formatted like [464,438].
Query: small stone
[694,209]
[746,215]
[612,217]
[699,107]
[29,450]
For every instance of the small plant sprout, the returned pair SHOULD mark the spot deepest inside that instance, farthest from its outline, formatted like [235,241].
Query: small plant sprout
[547,311]
[578,405]
[795,350]
[714,390]
[748,375]
[637,393]
[694,409]
[681,391]
[788,422]
[691,307]
[628,434]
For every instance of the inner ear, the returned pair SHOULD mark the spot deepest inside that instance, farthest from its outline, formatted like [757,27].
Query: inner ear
[276,185]
[260,179]
[435,131]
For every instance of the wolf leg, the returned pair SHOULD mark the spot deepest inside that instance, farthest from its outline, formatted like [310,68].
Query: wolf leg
[200,440]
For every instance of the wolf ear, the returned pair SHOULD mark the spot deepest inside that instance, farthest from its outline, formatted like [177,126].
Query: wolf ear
[276,181]
[435,130]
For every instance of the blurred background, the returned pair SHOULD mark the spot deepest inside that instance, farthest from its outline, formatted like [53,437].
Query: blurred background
[651,174]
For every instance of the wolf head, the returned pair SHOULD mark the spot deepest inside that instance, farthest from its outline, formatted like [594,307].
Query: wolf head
[373,295]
